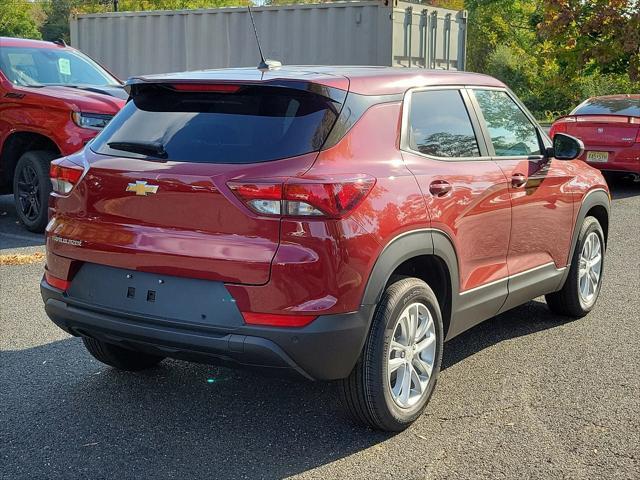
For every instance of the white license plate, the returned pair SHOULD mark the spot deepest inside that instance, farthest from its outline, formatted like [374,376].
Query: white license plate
[598,157]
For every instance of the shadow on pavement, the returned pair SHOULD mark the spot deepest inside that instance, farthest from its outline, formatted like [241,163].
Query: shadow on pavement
[524,320]
[67,415]
[12,233]
[622,187]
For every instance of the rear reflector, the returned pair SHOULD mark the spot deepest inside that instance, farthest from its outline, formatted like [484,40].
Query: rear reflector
[298,197]
[64,176]
[206,87]
[57,282]
[271,320]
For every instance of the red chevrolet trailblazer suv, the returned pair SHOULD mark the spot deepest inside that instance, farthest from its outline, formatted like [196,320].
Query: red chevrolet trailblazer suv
[337,222]
[53,99]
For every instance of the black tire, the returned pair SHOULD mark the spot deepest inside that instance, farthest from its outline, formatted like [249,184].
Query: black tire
[118,357]
[568,300]
[31,189]
[366,393]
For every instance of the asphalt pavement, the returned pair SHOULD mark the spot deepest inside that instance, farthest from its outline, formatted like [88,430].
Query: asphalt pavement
[524,395]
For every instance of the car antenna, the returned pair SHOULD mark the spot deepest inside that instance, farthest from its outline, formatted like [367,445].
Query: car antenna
[264,64]
[60,42]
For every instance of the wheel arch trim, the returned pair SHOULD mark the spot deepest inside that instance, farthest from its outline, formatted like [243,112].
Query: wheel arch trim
[408,245]
[597,197]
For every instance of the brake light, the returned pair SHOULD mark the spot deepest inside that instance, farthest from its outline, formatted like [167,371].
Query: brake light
[56,282]
[560,125]
[557,128]
[296,197]
[271,320]
[64,176]
[206,87]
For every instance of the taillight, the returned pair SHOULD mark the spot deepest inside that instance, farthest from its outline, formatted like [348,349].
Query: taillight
[64,176]
[263,198]
[557,128]
[56,282]
[297,197]
[271,320]
[560,125]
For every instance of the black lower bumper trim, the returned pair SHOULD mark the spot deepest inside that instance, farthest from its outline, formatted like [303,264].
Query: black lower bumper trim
[327,349]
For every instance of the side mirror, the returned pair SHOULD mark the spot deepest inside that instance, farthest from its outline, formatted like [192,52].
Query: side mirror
[566,147]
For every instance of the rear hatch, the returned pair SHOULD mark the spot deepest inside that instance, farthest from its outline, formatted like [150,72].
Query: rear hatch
[603,130]
[155,195]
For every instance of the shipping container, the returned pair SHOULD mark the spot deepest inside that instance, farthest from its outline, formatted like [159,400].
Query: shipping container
[400,34]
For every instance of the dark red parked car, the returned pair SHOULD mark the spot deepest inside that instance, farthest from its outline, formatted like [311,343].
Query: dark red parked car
[53,100]
[609,126]
[339,223]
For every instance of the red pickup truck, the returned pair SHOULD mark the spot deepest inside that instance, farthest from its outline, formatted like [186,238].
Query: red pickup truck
[53,100]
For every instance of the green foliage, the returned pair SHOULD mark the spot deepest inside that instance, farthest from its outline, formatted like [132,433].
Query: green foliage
[556,53]
[590,33]
[19,18]
[136,5]
[450,4]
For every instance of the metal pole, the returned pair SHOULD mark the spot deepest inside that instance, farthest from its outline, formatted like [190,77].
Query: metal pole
[115,5]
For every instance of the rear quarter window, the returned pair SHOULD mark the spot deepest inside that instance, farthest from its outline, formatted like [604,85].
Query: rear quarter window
[439,125]
[254,124]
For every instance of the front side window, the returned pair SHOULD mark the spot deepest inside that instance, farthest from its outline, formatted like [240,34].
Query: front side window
[37,67]
[512,134]
[439,125]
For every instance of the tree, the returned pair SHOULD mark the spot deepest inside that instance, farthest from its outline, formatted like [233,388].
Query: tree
[507,23]
[18,18]
[556,53]
[589,34]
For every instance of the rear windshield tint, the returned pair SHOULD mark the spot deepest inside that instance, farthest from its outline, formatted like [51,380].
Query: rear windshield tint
[610,106]
[254,124]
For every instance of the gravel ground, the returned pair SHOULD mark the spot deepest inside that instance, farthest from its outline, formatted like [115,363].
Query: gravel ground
[524,395]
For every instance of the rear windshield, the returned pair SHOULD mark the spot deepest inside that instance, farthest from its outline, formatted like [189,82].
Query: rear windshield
[610,106]
[253,124]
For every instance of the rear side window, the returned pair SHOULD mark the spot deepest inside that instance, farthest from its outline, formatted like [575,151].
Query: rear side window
[610,106]
[512,133]
[253,124]
[439,125]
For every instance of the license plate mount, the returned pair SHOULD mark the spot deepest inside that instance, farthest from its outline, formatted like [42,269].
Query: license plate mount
[597,157]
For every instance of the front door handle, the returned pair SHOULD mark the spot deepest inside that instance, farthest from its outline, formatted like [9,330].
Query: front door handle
[518,180]
[439,188]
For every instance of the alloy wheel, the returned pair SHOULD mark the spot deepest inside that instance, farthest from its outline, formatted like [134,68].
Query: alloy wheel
[29,193]
[590,268]
[411,355]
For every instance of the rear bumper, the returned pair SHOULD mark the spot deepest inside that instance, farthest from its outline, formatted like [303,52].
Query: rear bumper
[327,349]
[621,159]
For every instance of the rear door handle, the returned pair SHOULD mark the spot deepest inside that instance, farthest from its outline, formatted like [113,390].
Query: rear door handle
[518,180]
[439,188]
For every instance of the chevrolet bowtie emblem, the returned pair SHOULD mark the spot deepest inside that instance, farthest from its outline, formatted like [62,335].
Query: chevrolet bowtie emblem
[141,188]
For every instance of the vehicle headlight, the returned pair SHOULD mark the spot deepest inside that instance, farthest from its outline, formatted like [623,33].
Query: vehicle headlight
[93,121]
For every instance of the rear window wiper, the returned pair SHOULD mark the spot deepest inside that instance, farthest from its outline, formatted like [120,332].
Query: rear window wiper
[144,148]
